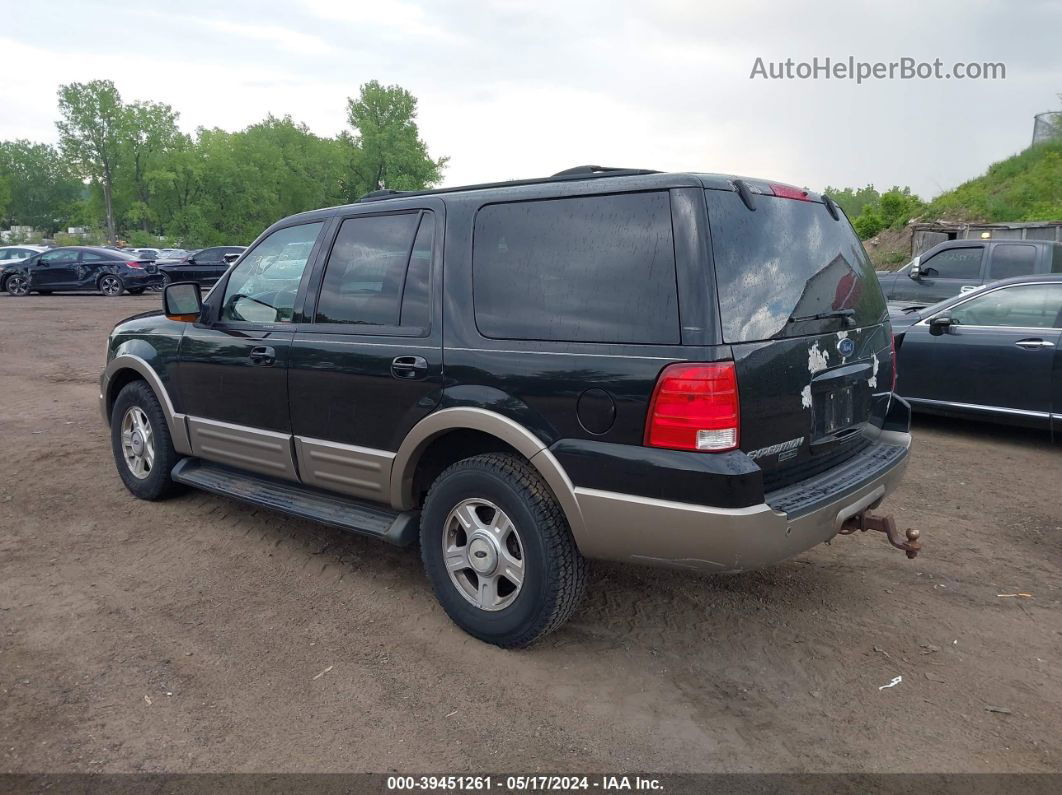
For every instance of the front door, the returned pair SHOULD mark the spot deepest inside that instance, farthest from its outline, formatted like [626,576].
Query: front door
[369,364]
[55,270]
[998,353]
[233,372]
[942,275]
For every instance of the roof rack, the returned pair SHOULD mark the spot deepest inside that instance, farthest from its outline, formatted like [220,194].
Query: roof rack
[569,174]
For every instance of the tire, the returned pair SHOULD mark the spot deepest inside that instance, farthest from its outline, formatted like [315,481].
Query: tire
[544,558]
[17,285]
[153,483]
[135,291]
[110,285]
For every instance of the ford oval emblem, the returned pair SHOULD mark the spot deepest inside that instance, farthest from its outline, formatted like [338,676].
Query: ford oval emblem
[846,347]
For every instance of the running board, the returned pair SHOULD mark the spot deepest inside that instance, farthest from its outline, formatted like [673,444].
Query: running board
[394,527]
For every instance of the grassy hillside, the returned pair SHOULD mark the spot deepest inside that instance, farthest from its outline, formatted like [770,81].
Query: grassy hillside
[1025,187]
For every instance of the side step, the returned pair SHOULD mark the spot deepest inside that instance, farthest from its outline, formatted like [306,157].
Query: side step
[394,527]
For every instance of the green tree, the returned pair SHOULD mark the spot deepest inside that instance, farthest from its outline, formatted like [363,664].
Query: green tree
[149,131]
[44,193]
[5,194]
[91,133]
[853,200]
[868,223]
[386,150]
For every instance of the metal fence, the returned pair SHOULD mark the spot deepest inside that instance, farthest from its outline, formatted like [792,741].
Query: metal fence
[1047,126]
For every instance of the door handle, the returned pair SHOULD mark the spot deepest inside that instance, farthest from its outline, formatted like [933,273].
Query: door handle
[409,366]
[1034,344]
[263,356]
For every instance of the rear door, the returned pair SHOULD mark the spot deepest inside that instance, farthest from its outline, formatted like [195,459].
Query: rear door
[801,307]
[998,353]
[368,363]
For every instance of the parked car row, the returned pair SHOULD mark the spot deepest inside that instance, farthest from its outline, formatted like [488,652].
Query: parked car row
[109,271]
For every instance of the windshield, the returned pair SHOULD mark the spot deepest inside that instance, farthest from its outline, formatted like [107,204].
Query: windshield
[788,269]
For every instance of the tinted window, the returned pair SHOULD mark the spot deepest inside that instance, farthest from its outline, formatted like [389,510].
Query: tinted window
[92,256]
[1025,306]
[60,255]
[1056,260]
[365,270]
[784,263]
[1011,260]
[954,263]
[263,288]
[586,269]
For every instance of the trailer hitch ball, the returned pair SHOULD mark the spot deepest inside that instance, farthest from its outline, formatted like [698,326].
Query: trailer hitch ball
[865,520]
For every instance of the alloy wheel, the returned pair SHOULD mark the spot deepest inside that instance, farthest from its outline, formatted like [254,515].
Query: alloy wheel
[483,554]
[138,442]
[110,285]
[17,285]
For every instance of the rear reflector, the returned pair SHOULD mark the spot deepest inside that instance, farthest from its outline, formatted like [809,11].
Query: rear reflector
[694,407]
[789,192]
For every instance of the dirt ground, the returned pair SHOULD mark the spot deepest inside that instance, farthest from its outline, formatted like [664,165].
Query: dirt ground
[202,635]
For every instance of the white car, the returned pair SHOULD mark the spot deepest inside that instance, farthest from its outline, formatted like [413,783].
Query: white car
[10,254]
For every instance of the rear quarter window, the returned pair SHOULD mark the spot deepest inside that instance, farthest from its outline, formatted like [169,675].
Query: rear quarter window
[580,269]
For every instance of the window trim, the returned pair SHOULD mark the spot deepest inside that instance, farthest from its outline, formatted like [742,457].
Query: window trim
[309,321]
[675,246]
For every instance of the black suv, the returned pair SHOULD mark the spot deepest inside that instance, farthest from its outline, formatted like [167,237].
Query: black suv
[81,269]
[673,369]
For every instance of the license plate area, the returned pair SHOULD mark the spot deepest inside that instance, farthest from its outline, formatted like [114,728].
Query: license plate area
[840,402]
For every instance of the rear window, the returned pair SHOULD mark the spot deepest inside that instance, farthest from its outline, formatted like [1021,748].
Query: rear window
[581,269]
[781,265]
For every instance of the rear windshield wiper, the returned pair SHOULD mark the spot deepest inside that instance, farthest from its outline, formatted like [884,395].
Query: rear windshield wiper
[848,315]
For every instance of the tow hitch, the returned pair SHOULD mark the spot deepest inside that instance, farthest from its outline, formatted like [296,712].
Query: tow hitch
[887,525]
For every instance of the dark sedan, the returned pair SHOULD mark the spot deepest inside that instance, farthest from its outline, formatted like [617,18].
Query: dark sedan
[80,269]
[993,353]
[205,266]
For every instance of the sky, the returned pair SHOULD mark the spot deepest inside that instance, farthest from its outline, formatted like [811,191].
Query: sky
[525,88]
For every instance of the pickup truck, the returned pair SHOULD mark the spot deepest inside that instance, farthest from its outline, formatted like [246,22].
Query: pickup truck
[958,266]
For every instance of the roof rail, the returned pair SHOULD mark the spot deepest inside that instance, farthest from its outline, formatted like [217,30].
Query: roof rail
[381,194]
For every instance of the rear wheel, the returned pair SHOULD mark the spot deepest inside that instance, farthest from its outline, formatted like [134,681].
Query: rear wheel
[141,444]
[499,552]
[17,285]
[111,285]
[135,290]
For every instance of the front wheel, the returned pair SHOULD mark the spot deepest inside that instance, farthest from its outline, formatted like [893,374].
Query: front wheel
[499,552]
[17,285]
[111,286]
[141,444]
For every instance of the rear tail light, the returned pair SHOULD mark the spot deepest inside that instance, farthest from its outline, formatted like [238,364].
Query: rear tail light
[137,265]
[694,407]
[895,363]
[789,192]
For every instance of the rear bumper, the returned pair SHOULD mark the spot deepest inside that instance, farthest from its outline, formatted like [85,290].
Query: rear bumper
[726,540]
[135,280]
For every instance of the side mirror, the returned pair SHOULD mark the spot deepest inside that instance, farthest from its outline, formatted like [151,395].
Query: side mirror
[915,273]
[230,258]
[182,301]
[939,324]
[190,260]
